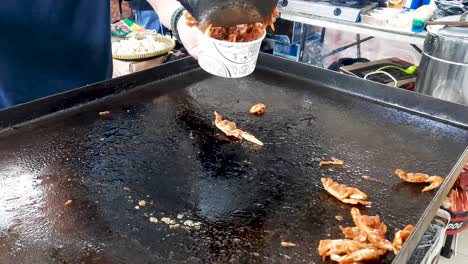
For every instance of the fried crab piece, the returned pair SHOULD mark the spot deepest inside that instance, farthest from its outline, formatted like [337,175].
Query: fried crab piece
[365,254]
[258,109]
[348,251]
[328,247]
[357,234]
[230,129]
[334,161]
[372,228]
[353,233]
[435,181]
[400,238]
[344,193]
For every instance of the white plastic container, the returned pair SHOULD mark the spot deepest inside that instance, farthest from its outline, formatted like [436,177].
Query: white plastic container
[228,59]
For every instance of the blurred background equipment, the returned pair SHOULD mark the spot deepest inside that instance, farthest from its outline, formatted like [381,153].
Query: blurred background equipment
[444,63]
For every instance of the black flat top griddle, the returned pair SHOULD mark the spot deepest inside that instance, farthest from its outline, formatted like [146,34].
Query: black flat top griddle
[159,144]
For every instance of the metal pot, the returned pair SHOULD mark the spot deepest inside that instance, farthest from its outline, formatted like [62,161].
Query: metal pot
[443,71]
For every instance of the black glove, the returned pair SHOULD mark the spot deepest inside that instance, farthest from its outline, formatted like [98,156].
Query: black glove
[229,12]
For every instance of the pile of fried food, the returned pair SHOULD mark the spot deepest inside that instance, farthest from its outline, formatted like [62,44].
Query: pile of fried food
[366,241]
[239,33]
[363,242]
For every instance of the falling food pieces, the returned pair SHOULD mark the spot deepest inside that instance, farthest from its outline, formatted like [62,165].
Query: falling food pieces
[400,238]
[435,181]
[230,129]
[141,203]
[68,202]
[287,244]
[153,220]
[339,218]
[258,109]
[104,113]
[334,161]
[344,193]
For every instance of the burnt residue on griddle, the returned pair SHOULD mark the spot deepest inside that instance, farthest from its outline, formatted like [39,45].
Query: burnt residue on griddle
[163,147]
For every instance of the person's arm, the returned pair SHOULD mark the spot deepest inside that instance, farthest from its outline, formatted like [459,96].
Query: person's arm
[165,9]
[188,35]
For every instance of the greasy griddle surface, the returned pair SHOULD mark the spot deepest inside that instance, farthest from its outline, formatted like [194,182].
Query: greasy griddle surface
[164,148]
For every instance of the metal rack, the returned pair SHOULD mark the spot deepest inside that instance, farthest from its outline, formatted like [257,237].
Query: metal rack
[358,28]
[414,39]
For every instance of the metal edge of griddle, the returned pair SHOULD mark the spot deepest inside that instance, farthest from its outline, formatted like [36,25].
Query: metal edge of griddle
[416,103]
[40,108]
[426,106]
[410,245]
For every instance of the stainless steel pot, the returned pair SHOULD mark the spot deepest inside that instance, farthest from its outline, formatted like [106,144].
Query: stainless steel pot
[443,71]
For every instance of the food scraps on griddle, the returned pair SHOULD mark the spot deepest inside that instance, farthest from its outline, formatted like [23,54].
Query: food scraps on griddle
[287,244]
[168,220]
[258,109]
[334,161]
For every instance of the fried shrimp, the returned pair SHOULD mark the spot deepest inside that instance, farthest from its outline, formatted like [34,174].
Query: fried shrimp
[435,181]
[344,193]
[400,238]
[230,129]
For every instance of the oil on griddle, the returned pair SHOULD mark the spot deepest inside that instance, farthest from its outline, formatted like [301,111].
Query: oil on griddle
[164,148]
